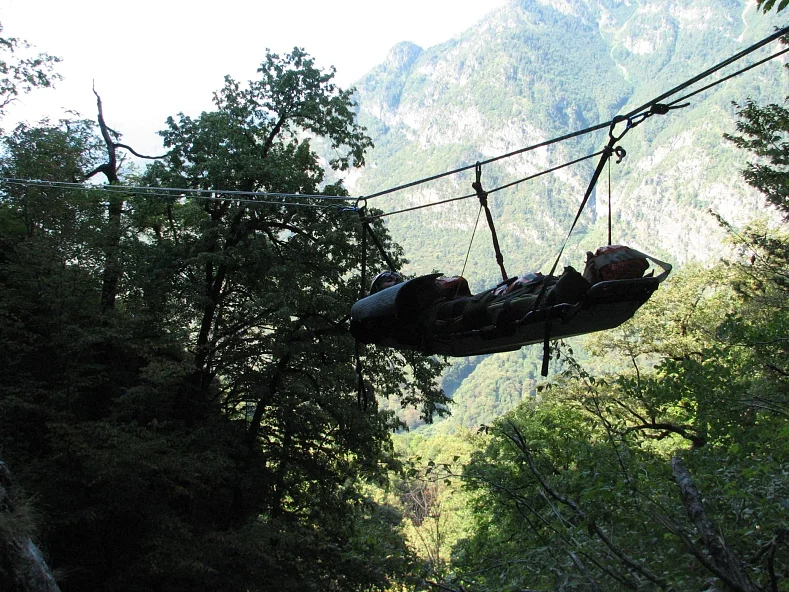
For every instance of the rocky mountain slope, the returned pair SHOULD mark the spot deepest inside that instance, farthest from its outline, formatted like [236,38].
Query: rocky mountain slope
[534,70]
[538,69]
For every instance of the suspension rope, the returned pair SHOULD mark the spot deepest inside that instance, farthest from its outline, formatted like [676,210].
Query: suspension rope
[730,76]
[471,242]
[708,72]
[420,207]
[167,191]
[483,202]
[643,111]
[607,152]
[556,140]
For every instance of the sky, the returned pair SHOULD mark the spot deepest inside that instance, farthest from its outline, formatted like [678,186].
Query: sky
[150,59]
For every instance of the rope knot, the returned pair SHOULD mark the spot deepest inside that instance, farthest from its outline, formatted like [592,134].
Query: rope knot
[481,193]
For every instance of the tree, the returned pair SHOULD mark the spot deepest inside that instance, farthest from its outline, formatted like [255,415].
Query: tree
[764,132]
[664,477]
[767,5]
[214,411]
[20,75]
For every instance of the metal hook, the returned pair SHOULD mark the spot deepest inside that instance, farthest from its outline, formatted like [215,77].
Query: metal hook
[616,120]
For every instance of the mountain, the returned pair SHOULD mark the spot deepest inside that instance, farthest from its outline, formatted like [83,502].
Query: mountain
[538,69]
[535,70]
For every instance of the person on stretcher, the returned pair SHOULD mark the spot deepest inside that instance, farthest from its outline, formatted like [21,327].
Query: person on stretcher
[453,308]
[439,315]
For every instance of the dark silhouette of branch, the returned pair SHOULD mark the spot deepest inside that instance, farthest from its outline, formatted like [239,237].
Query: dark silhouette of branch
[670,428]
[777,370]
[110,168]
[443,587]
[582,568]
[137,154]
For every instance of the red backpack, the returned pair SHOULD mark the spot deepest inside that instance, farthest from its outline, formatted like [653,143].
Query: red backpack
[614,262]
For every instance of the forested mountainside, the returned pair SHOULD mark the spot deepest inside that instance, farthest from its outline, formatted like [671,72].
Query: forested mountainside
[535,70]
[183,406]
[532,71]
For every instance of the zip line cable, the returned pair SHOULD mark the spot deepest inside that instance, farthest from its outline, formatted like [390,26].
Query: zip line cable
[148,192]
[732,75]
[445,201]
[420,207]
[738,56]
[607,124]
[177,190]
[632,118]
[556,168]
[556,140]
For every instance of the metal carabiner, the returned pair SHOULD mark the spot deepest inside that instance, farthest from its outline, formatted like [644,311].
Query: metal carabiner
[616,120]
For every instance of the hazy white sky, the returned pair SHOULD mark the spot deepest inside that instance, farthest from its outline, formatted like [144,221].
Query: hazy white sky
[153,58]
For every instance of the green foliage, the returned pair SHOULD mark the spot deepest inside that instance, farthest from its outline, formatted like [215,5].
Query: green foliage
[20,75]
[673,475]
[764,133]
[578,489]
[767,5]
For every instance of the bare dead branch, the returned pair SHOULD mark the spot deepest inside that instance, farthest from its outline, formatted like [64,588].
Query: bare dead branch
[137,154]
[582,568]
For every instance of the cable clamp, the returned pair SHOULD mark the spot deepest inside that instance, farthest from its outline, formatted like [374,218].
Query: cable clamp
[654,109]
[662,108]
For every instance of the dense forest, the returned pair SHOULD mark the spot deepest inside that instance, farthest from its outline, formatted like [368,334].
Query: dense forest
[183,408]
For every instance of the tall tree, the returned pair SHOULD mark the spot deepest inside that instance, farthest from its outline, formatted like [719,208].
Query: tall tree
[215,413]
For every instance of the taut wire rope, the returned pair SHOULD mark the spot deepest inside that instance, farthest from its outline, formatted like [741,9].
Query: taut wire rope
[633,117]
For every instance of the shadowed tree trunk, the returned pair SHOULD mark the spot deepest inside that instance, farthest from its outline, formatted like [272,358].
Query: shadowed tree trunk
[112,268]
[22,567]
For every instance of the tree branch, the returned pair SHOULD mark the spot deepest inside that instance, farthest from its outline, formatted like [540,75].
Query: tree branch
[520,443]
[728,567]
[670,428]
[137,154]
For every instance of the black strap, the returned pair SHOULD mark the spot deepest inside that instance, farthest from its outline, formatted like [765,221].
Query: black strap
[607,152]
[363,285]
[378,244]
[609,203]
[546,343]
[483,201]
